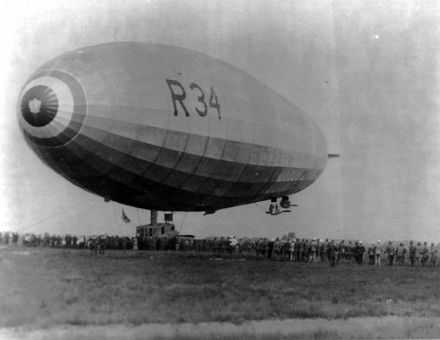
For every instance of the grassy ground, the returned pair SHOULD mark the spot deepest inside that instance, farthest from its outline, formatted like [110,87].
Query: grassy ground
[49,287]
[389,327]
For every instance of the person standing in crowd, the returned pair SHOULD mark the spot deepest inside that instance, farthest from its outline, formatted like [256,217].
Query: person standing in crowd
[322,249]
[390,253]
[371,254]
[135,244]
[331,253]
[418,253]
[400,254]
[276,252]
[359,251]
[74,241]
[14,239]
[378,253]
[233,244]
[269,250]
[124,243]
[424,254]
[292,247]
[349,252]
[433,255]
[297,253]
[340,252]
[301,250]
[6,238]
[412,253]
[102,244]
[313,251]
[306,253]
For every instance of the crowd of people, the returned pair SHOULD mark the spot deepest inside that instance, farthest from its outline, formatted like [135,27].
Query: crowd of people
[279,249]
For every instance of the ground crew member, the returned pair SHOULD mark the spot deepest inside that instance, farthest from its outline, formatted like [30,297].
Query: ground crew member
[233,244]
[371,254]
[102,244]
[269,247]
[418,255]
[313,251]
[390,252]
[340,252]
[331,253]
[292,247]
[400,253]
[424,254]
[350,252]
[412,253]
[433,255]
[378,253]
[306,251]
[135,244]
[322,249]
[359,251]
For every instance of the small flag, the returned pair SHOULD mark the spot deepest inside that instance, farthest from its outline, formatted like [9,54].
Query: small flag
[125,217]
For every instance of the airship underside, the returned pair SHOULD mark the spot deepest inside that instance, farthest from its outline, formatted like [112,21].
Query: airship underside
[161,127]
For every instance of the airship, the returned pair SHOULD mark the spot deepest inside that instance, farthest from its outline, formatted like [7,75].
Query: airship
[166,128]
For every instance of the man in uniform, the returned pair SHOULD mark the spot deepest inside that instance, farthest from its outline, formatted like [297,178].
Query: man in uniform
[301,250]
[400,253]
[292,247]
[418,253]
[102,244]
[331,253]
[350,252]
[340,255]
[412,253]
[390,253]
[433,255]
[322,249]
[276,252]
[371,254]
[306,250]
[359,251]
[313,250]
[14,239]
[135,244]
[233,244]
[378,253]
[6,238]
[424,253]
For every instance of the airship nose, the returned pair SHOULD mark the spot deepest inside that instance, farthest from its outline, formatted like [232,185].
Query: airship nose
[39,105]
[52,108]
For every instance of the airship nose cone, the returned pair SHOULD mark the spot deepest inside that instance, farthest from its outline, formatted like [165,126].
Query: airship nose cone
[51,108]
[39,105]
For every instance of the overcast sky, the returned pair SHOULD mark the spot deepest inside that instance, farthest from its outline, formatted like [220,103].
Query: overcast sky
[367,73]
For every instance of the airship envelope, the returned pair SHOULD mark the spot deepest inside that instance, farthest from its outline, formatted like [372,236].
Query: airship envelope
[162,127]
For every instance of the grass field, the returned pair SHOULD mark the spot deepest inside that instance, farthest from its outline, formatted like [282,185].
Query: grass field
[43,288]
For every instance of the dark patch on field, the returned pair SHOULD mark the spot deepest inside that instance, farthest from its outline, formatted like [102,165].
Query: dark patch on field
[54,287]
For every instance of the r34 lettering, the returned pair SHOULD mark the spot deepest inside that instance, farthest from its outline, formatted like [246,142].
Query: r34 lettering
[178,95]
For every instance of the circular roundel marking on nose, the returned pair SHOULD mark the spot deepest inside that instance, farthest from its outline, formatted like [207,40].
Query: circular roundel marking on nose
[39,105]
[52,108]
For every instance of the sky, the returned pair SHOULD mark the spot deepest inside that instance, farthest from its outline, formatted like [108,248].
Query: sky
[366,72]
